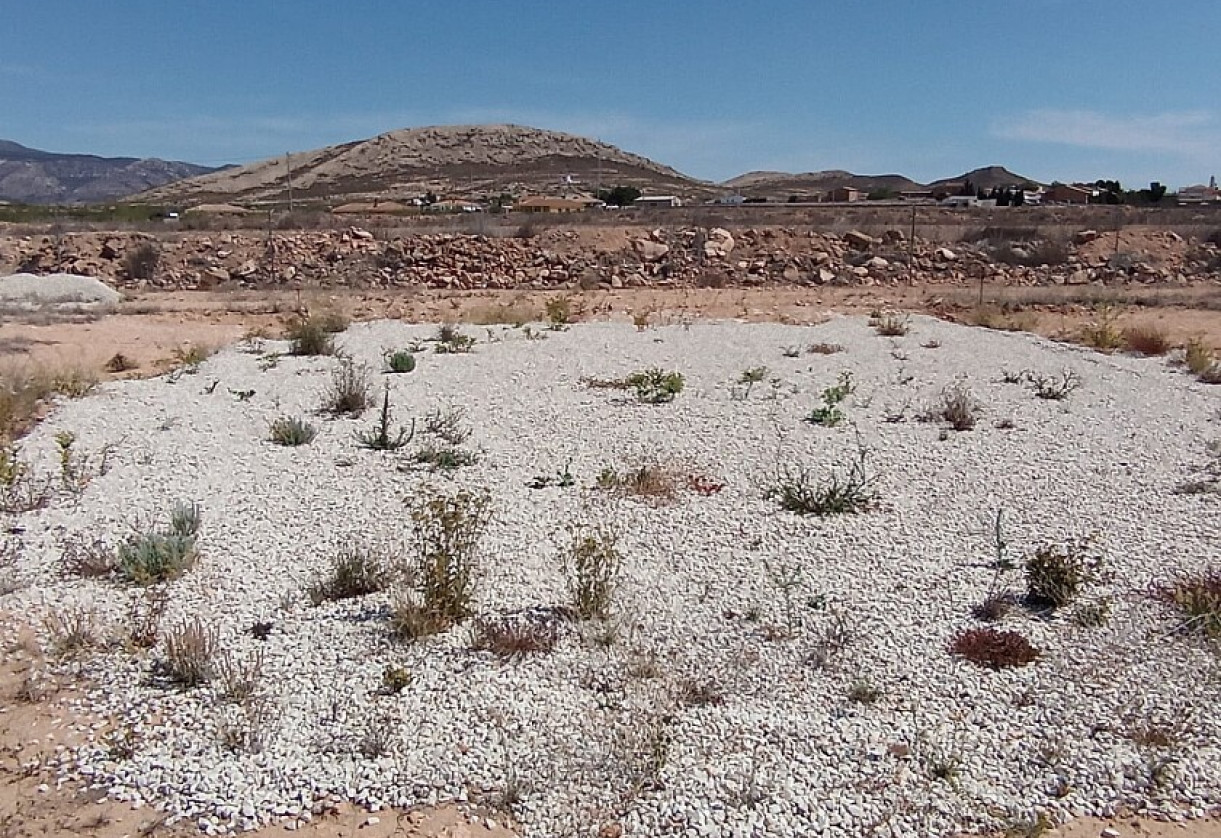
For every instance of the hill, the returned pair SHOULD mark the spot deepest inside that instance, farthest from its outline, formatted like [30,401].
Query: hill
[988,177]
[465,160]
[32,176]
[780,184]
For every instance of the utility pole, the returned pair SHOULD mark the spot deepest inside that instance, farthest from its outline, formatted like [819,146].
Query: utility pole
[288,164]
[911,251]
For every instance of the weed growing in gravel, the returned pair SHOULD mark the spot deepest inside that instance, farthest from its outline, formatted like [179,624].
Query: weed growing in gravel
[1092,614]
[1198,356]
[442,457]
[87,559]
[292,431]
[994,607]
[395,679]
[787,579]
[889,323]
[955,406]
[190,653]
[399,361]
[308,336]
[993,649]
[447,530]
[863,692]
[1197,598]
[592,565]
[71,631]
[447,424]
[77,470]
[144,613]
[349,392]
[509,638]
[829,639]
[829,414]
[1054,388]
[162,555]
[354,572]
[562,479]
[700,692]
[1055,575]
[656,482]
[797,488]
[824,348]
[382,436]
[655,385]
[747,381]
[189,357]
[141,261]
[238,678]
[449,340]
[1146,340]
[20,489]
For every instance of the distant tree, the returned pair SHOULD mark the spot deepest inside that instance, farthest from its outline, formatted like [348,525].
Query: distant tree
[430,198]
[1109,192]
[884,193]
[794,199]
[1018,199]
[968,188]
[755,201]
[1157,191]
[620,196]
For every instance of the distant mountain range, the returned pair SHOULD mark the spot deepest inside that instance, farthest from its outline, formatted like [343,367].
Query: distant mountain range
[30,176]
[464,160]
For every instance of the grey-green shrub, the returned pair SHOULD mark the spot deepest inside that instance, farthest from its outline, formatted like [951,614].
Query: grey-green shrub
[162,555]
[400,361]
[292,431]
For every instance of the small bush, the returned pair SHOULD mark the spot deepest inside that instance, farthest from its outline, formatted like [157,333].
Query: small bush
[798,490]
[994,649]
[747,381]
[238,678]
[308,336]
[592,564]
[446,533]
[1198,356]
[400,361]
[160,556]
[382,436]
[141,261]
[71,631]
[829,415]
[349,392]
[292,431]
[1054,388]
[190,653]
[650,481]
[450,340]
[120,363]
[354,572]
[655,385]
[442,457]
[1146,340]
[509,638]
[824,348]
[331,321]
[1056,575]
[956,407]
[447,425]
[889,324]
[1197,598]
[559,313]
[863,692]
[1102,333]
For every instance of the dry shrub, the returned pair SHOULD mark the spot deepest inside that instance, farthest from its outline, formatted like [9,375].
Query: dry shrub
[1055,575]
[190,653]
[955,406]
[26,391]
[1146,340]
[307,336]
[824,348]
[994,607]
[513,636]
[88,559]
[349,392]
[1198,356]
[141,261]
[71,631]
[1102,333]
[354,572]
[889,324]
[1197,598]
[993,649]
[592,565]
[657,482]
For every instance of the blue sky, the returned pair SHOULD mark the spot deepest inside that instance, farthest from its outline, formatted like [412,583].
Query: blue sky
[1053,89]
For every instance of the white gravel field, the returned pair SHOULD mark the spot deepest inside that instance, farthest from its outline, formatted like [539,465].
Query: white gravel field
[946,746]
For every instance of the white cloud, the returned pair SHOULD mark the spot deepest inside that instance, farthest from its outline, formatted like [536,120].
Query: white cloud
[1190,134]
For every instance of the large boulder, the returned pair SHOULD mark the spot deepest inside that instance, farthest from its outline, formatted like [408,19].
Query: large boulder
[649,250]
[858,240]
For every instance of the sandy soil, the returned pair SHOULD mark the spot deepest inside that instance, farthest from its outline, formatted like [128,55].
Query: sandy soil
[148,329]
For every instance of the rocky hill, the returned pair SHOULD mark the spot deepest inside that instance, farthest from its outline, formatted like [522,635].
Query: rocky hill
[465,160]
[780,185]
[31,176]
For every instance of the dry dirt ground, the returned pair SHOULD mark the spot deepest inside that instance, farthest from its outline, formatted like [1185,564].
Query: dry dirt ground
[148,329]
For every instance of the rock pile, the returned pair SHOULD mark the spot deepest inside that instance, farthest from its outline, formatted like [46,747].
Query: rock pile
[682,257]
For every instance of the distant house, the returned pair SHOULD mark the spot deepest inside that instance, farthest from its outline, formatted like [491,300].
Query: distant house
[845,195]
[916,194]
[1063,193]
[729,200]
[961,201]
[456,205]
[657,201]
[1199,193]
[542,203]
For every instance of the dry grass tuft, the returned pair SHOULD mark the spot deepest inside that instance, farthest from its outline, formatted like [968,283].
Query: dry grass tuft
[1197,598]
[993,649]
[25,393]
[1198,356]
[509,638]
[1146,340]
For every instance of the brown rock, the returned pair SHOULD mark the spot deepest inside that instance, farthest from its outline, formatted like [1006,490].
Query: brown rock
[858,240]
